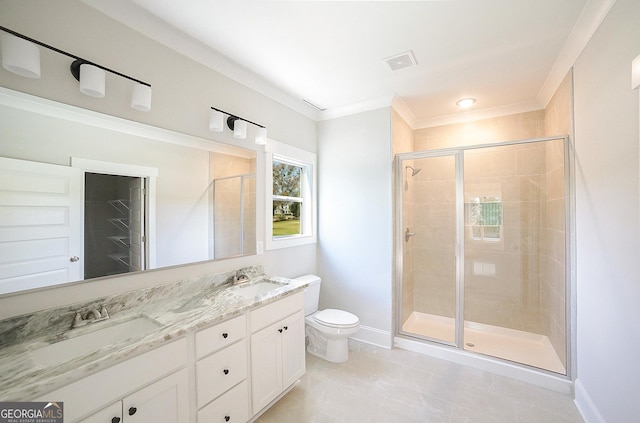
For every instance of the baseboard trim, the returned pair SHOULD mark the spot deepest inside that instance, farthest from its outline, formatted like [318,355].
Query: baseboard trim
[586,407]
[374,336]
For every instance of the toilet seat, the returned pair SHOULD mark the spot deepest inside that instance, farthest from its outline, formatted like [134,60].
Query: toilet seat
[336,318]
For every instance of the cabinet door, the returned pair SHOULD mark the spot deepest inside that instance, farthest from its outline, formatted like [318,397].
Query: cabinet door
[293,353]
[109,414]
[266,365]
[165,401]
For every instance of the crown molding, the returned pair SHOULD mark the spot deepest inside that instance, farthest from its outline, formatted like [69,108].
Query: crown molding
[588,22]
[147,24]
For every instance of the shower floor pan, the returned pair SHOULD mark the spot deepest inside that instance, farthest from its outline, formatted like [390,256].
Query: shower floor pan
[510,344]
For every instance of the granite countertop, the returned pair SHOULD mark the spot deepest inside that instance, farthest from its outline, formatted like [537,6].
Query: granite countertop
[178,308]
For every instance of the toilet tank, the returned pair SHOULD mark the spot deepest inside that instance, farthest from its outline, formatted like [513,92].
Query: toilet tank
[311,294]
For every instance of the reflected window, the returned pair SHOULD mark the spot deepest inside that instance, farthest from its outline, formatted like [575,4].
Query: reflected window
[483,217]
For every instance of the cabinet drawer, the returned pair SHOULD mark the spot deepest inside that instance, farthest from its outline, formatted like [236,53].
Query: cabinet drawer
[271,313]
[225,333]
[231,407]
[220,371]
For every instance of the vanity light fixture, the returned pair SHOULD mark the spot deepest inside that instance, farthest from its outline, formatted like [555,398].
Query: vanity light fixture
[237,124]
[465,103]
[239,127]
[21,55]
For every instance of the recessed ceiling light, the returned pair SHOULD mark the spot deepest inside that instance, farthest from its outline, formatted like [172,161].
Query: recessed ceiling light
[466,102]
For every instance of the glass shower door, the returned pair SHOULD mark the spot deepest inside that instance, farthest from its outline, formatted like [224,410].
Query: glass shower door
[514,253]
[429,280]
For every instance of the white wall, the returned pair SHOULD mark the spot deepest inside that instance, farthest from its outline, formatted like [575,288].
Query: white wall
[607,216]
[355,219]
[183,92]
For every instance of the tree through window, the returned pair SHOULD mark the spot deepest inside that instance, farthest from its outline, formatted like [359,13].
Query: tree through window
[288,198]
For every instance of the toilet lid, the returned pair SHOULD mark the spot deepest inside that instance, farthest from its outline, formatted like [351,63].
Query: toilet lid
[336,318]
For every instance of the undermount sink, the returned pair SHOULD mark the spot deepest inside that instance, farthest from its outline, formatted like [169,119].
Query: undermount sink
[257,289]
[100,336]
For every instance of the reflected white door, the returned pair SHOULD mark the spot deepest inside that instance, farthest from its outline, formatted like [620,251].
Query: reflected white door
[136,225]
[40,225]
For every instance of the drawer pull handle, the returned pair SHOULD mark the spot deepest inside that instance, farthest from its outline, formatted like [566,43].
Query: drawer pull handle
[115,420]
[225,371]
[132,411]
[225,335]
[286,328]
[227,418]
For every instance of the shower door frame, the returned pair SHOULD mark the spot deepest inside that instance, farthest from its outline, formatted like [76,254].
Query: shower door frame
[458,154]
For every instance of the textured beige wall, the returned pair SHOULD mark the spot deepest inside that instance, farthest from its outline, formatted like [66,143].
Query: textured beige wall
[527,291]
[235,232]
[558,121]
[487,131]
[402,142]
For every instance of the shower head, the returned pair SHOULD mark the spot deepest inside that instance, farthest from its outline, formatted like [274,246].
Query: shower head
[414,171]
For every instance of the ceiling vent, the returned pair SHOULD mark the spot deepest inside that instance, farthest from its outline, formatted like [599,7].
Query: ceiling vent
[401,61]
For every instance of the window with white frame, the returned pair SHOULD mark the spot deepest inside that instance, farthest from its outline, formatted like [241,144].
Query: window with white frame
[291,205]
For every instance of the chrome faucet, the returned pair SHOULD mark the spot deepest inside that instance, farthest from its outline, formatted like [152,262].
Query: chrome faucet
[92,316]
[239,278]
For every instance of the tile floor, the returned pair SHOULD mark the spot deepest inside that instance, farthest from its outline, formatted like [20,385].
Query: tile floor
[378,385]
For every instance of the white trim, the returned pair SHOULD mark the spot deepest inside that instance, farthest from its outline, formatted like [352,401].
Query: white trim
[148,173]
[590,19]
[30,103]
[554,383]
[352,109]
[586,407]
[374,336]
[400,106]
[143,22]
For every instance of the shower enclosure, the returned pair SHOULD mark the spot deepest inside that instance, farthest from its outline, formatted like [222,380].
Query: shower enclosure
[481,250]
[234,216]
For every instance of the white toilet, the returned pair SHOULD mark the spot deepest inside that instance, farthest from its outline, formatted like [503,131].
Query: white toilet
[328,329]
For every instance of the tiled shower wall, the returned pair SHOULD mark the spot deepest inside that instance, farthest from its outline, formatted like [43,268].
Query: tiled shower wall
[228,227]
[528,290]
[558,121]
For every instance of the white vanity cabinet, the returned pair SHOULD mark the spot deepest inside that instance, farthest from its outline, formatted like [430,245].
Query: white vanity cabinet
[163,401]
[222,394]
[277,349]
[151,387]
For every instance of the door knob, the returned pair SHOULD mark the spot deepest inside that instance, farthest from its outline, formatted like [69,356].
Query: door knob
[132,411]
[115,420]
[73,259]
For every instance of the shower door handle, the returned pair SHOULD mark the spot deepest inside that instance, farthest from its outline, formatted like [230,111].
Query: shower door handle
[408,235]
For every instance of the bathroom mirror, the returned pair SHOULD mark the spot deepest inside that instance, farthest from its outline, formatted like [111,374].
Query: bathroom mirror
[139,197]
